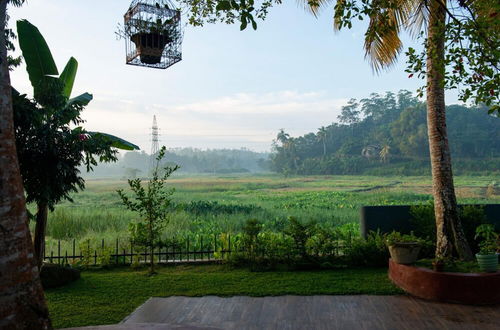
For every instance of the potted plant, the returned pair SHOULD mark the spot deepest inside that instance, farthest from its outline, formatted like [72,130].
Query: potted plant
[404,249]
[152,37]
[487,257]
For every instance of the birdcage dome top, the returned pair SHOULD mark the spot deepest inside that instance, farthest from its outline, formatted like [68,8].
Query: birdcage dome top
[154,3]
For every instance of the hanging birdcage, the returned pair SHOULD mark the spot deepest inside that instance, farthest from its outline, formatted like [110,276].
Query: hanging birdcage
[153,34]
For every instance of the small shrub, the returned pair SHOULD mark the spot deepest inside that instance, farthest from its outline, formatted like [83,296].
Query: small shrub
[104,257]
[369,252]
[300,233]
[53,276]
[87,258]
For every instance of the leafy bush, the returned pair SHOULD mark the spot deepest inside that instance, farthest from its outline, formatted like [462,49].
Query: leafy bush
[370,252]
[304,246]
[424,223]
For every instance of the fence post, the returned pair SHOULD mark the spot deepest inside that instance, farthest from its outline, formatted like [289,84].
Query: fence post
[74,249]
[201,246]
[194,249]
[215,244]
[187,248]
[59,252]
[116,255]
[131,252]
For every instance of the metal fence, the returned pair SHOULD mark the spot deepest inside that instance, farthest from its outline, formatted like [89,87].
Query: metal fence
[125,252]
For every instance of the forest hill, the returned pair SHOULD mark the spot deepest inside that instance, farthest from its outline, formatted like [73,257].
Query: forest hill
[387,135]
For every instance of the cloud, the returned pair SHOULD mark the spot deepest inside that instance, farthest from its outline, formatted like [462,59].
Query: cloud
[249,120]
[282,102]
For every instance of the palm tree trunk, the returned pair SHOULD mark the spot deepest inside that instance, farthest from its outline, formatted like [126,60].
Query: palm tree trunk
[22,303]
[449,229]
[40,229]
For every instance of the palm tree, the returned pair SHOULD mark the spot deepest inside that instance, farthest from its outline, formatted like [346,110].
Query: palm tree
[322,136]
[22,303]
[382,46]
[384,153]
[283,137]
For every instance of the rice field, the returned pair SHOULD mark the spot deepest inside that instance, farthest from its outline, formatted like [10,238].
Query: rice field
[208,205]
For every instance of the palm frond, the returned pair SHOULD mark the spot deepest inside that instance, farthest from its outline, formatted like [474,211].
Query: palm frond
[382,38]
[314,6]
[382,42]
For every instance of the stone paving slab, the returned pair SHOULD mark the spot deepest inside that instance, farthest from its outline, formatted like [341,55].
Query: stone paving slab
[306,312]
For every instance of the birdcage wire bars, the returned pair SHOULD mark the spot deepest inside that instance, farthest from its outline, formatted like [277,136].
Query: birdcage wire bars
[153,34]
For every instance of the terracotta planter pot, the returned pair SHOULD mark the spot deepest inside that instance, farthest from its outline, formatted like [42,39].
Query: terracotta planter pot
[150,46]
[404,253]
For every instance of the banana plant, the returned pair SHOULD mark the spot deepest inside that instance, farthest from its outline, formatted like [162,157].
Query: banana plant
[49,148]
[45,78]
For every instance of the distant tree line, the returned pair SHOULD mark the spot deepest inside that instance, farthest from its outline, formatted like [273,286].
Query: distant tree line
[190,160]
[387,134]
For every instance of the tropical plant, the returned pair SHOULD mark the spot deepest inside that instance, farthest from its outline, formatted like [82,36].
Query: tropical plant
[23,303]
[385,153]
[50,150]
[488,239]
[397,237]
[153,205]
[322,137]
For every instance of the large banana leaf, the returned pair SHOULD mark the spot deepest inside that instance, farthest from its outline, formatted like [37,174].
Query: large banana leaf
[116,141]
[68,76]
[36,53]
[83,99]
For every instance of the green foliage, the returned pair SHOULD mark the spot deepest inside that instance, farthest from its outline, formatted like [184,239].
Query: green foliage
[104,258]
[50,141]
[488,239]
[86,253]
[395,122]
[424,224]
[300,233]
[152,204]
[452,265]
[472,58]
[39,61]
[396,237]
[214,207]
[369,252]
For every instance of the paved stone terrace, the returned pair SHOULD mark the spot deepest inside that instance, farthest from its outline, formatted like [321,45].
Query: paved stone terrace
[306,312]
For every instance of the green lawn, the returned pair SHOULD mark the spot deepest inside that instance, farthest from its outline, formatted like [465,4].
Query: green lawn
[107,296]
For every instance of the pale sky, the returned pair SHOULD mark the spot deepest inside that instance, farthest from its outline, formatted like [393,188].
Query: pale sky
[232,89]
